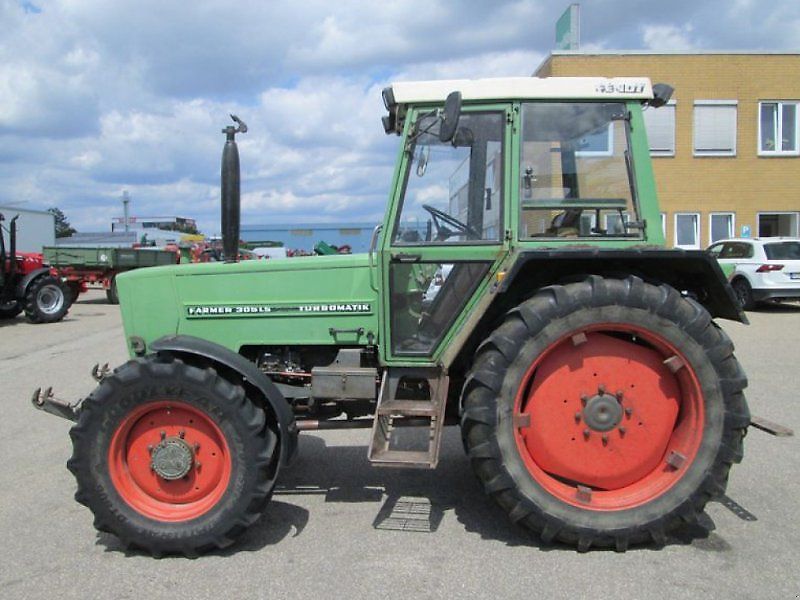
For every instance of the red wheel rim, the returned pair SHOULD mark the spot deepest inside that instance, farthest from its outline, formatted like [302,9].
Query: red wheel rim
[139,442]
[609,417]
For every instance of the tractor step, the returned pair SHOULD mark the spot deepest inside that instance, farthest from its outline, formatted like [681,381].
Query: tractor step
[409,393]
[409,408]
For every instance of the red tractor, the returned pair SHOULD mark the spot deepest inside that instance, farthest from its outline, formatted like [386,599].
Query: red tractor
[26,283]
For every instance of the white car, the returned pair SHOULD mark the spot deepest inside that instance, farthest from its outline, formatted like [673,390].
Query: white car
[764,268]
[436,284]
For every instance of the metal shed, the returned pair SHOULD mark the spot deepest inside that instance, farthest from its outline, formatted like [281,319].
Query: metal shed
[35,228]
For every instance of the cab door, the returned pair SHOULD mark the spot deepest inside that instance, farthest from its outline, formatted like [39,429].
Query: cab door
[446,232]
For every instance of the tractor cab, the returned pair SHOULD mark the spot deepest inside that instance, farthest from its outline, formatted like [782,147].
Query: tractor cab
[523,163]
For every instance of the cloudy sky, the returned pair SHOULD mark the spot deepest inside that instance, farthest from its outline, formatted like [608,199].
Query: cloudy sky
[97,97]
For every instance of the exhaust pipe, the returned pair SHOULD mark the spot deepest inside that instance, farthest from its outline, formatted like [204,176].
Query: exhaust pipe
[12,247]
[231,191]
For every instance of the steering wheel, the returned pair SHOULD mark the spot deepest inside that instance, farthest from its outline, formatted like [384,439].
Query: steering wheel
[441,218]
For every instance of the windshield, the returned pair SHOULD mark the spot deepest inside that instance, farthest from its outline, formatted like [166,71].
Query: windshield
[575,170]
[454,190]
[783,250]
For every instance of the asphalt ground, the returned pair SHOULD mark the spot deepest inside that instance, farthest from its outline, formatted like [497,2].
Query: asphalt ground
[324,534]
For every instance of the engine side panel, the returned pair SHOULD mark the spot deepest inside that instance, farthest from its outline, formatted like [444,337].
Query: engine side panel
[322,300]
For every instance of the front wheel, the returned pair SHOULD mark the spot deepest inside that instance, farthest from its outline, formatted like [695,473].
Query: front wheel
[46,300]
[605,413]
[10,310]
[172,458]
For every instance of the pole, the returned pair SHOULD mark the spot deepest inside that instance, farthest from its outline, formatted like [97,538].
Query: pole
[125,200]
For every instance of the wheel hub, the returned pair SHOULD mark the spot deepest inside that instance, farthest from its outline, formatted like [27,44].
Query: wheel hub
[172,458]
[602,412]
[50,299]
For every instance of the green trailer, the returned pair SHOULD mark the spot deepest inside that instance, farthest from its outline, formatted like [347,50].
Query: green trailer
[79,266]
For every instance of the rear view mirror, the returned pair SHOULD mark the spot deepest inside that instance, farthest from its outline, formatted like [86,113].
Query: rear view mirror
[450,116]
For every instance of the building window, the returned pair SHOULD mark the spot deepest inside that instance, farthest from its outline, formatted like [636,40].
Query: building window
[777,129]
[715,128]
[721,226]
[660,126]
[599,142]
[687,230]
[615,223]
[778,224]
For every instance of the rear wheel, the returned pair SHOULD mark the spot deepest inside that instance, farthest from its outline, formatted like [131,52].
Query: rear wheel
[172,458]
[46,301]
[605,413]
[744,294]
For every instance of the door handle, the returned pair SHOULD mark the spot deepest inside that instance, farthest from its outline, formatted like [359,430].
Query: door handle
[403,257]
[373,243]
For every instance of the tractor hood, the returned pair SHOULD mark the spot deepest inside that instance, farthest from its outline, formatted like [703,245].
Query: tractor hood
[317,300]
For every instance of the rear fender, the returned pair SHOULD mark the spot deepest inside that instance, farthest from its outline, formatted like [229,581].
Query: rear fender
[24,283]
[694,272]
[187,347]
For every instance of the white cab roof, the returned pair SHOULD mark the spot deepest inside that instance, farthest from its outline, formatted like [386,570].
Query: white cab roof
[519,88]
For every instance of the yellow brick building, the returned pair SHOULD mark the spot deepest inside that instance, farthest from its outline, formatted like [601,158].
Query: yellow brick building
[726,151]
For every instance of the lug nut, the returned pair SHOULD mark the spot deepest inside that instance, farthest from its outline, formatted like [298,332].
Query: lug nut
[601,389]
[586,433]
[622,430]
[163,435]
[198,465]
[578,417]
[619,395]
[181,434]
[196,446]
[584,399]
[629,411]
[150,448]
[605,439]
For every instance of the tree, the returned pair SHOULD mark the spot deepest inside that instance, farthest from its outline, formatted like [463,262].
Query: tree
[63,228]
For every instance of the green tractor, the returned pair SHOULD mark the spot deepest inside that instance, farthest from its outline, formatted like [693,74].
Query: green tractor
[518,287]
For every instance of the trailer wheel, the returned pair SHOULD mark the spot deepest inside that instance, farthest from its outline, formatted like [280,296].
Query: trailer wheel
[111,292]
[172,458]
[605,413]
[74,290]
[45,300]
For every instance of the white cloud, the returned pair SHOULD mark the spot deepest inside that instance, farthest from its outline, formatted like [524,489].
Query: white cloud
[97,96]
[668,37]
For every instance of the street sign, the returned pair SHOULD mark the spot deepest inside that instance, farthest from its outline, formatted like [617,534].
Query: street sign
[568,29]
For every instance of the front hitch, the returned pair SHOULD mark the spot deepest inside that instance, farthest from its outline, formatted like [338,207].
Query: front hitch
[46,401]
[43,399]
